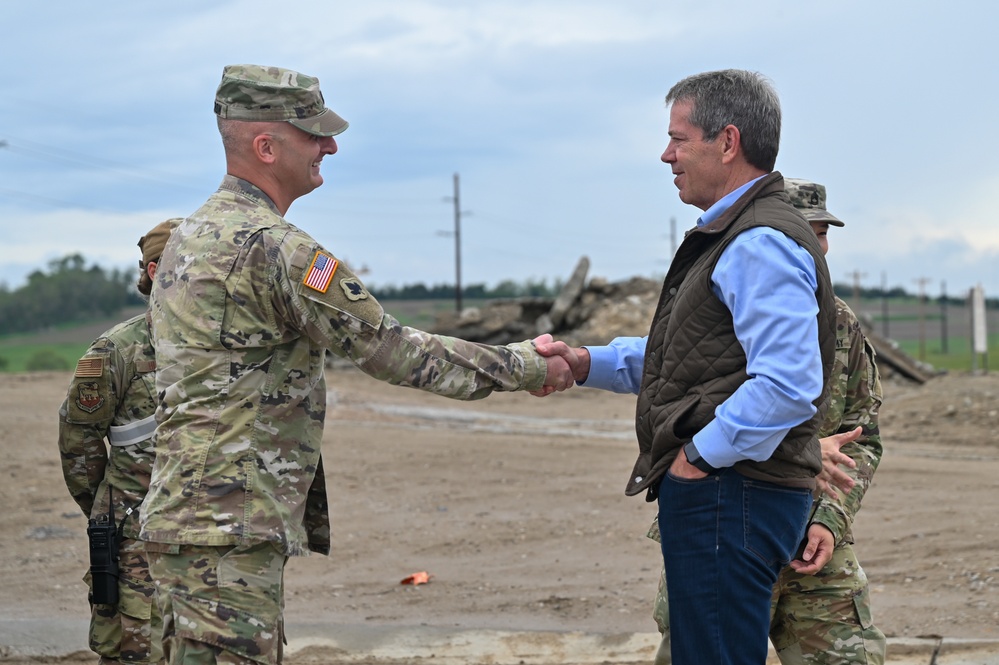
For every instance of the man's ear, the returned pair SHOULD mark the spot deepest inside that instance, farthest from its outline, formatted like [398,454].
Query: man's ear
[265,148]
[151,270]
[731,143]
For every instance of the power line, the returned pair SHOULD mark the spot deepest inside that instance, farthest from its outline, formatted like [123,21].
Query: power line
[58,203]
[50,154]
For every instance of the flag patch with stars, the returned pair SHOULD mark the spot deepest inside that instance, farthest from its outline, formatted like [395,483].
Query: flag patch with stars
[90,367]
[320,274]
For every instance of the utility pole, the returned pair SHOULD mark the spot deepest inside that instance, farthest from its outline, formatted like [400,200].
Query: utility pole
[672,237]
[922,282]
[457,243]
[884,303]
[856,275]
[943,317]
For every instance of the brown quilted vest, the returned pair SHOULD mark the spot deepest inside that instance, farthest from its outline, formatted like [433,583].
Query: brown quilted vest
[693,361]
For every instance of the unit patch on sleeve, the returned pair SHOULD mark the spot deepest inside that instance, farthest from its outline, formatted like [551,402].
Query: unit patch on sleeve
[353,289]
[90,367]
[320,273]
[89,397]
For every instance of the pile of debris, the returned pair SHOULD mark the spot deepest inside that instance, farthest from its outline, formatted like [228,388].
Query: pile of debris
[593,312]
[597,311]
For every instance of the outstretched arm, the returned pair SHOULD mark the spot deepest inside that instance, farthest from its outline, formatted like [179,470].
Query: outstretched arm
[616,367]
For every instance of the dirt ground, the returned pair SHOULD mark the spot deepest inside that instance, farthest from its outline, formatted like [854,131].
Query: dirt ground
[515,506]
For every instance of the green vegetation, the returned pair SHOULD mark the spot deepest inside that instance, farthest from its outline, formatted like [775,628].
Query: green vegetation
[30,357]
[69,292]
[958,356]
[423,313]
[48,323]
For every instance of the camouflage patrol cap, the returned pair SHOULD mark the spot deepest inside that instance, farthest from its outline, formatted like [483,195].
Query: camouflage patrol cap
[272,94]
[152,243]
[810,200]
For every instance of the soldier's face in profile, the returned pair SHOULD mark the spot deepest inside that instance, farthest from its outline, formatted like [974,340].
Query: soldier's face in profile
[301,155]
[822,232]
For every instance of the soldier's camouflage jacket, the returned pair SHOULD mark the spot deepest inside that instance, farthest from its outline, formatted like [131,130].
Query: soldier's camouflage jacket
[111,400]
[244,307]
[855,397]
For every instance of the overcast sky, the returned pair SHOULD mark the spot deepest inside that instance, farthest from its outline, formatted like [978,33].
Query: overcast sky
[551,111]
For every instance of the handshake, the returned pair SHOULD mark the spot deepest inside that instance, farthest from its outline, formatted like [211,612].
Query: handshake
[566,365]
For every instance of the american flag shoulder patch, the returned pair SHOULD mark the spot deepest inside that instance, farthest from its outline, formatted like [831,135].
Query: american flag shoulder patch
[90,367]
[320,273]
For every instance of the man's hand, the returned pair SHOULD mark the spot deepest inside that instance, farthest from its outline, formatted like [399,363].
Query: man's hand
[818,551]
[558,354]
[560,363]
[831,475]
[682,468]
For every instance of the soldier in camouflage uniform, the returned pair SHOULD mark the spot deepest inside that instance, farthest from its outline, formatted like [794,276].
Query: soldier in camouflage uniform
[112,399]
[245,307]
[821,611]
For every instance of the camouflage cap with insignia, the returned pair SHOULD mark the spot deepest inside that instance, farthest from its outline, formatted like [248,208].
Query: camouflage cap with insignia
[810,200]
[152,243]
[271,94]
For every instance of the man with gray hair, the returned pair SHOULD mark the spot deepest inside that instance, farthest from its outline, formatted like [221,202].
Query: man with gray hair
[244,309]
[732,374]
[821,609]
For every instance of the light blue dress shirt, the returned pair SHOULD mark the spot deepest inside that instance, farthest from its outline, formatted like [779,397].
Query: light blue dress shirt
[768,282]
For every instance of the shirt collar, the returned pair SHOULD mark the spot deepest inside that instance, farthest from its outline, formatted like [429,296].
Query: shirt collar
[724,203]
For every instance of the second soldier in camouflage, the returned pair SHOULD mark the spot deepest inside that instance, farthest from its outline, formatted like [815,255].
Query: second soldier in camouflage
[112,400]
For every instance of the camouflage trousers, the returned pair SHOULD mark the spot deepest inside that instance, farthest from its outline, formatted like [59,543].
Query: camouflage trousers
[826,618]
[129,632]
[821,619]
[220,604]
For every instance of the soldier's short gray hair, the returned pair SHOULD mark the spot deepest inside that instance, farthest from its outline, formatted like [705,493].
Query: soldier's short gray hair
[735,97]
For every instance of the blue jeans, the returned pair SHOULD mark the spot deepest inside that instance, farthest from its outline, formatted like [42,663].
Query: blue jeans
[725,539]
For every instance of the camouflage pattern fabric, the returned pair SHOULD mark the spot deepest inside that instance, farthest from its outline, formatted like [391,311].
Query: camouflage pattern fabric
[111,398]
[660,613]
[220,604]
[132,631]
[826,618]
[809,198]
[855,397]
[254,93]
[244,308]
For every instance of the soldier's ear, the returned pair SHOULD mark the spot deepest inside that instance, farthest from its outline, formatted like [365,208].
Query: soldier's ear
[151,270]
[265,148]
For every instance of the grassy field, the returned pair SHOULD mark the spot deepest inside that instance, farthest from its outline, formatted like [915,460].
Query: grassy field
[63,346]
[919,331]
[19,357]
[938,336]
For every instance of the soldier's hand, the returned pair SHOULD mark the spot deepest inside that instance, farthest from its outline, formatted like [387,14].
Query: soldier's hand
[558,377]
[560,360]
[832,476]
[818,550]
[577,358]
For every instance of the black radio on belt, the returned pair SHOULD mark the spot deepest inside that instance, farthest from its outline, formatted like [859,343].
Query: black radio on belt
[104,537]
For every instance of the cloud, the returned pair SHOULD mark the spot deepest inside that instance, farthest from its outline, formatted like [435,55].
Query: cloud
[31,240]
[550,110]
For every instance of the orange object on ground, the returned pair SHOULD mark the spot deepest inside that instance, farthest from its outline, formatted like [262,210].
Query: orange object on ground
[421,577]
